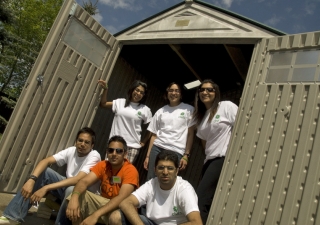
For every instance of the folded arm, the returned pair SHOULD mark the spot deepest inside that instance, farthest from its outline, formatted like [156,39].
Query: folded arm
[27,188]
[63,183]
[73,209]
[193,219]
[128,207]
[113,204]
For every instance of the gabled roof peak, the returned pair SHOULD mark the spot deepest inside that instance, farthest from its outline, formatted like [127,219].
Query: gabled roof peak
[191,17]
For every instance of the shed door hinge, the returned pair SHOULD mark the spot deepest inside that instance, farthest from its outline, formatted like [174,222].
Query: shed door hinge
[73,9]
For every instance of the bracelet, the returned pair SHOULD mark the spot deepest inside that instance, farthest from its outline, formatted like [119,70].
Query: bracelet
[106,87]
[33,177]
[75,192]
[185,159]
[187,154]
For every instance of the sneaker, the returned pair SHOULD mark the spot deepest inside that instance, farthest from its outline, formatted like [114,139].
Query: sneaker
[5,220]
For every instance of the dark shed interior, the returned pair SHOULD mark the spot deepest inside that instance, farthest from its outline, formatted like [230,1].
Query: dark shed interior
[160,64]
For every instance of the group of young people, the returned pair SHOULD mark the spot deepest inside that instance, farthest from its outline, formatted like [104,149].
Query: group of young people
[167,197]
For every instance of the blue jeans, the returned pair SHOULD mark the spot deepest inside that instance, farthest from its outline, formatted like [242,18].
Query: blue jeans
[155,150]
[18,208]
[62,216]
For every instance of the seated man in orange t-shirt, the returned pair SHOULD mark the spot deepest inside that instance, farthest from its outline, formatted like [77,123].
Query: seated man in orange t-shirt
[119,178]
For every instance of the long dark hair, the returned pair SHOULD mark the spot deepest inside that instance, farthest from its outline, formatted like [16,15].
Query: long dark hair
[200,109]
[133,86]
[167,91]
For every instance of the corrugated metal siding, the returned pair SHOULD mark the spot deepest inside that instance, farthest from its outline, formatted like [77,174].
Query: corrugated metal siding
[47,117]
[271,174]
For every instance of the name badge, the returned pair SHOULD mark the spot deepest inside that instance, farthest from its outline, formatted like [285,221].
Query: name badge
[116,180]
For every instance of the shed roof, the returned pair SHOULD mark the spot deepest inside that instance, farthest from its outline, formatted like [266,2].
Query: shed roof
[227,12]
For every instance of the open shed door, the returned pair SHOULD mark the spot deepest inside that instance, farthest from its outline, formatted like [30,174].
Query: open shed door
[60,95]
[271,173]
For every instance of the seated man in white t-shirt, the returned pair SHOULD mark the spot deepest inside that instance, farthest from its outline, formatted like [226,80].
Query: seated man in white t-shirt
[79,159]
[168,198]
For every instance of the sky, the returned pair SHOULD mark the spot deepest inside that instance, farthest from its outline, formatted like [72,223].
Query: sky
[289,16]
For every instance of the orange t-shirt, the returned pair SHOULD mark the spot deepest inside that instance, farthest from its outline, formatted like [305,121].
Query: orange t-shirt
[128,175]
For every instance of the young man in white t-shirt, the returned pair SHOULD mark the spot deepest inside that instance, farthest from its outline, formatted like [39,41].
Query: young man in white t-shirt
[168,198]
[79,159]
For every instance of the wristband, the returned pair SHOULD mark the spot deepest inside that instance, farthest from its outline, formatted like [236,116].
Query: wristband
[33,177]
[105,87]
[75,192]
[185,159]
[187,154]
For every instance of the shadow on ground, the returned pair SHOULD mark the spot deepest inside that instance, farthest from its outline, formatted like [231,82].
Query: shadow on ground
[31,218]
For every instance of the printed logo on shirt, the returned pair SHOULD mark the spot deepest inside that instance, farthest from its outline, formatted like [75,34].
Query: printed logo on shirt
[217,119]
[175,211]
[139,114]
[182,115]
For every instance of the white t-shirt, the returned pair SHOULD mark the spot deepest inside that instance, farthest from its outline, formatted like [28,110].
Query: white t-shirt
[171,124]
[127,121]
[167,206]
[75,164]
[217,133]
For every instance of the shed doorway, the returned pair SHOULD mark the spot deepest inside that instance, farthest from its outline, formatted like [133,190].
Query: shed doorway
[160,64]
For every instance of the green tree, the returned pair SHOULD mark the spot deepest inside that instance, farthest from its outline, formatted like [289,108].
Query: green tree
[6,16]
[25,36]
[24,26]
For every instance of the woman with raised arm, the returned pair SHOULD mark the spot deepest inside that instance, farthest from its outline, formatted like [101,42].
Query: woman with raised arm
[215,120]
[129,115]
[172,129]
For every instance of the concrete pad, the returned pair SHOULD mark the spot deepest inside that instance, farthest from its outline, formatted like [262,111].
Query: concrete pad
[31,218]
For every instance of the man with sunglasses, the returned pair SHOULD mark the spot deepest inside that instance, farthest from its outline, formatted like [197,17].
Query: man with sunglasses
[119,178]
[79,159]
[168,198]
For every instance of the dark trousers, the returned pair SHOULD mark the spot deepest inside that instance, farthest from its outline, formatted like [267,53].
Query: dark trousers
[145,220]
[210,176]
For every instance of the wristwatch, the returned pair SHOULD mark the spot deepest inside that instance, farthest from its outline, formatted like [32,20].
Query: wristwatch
[33,177]
[187,154]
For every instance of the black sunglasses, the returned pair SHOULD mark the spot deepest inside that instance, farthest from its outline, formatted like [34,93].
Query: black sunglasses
[207,89]
[118,150]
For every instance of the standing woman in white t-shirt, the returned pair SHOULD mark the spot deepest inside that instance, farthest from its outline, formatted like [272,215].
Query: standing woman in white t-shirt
[129,114]
[215,120]
[171,129]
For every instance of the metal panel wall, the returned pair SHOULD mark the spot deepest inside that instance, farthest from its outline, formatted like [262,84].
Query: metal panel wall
[271,173]
[49,114]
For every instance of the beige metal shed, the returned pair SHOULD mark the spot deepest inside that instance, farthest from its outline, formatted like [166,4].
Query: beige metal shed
[271,173]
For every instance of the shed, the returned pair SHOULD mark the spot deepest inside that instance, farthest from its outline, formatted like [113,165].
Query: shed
[271,173]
